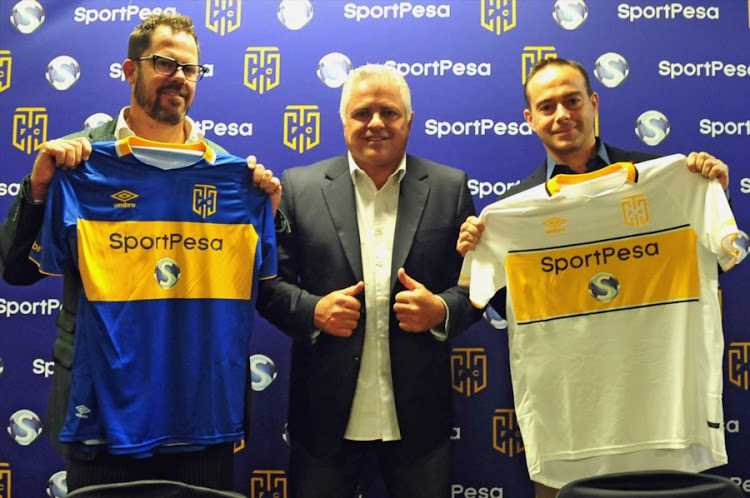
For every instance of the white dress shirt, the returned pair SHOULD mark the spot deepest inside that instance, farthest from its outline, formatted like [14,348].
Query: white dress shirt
[373,414]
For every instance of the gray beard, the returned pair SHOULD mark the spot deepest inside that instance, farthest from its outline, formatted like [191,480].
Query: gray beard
[154,109]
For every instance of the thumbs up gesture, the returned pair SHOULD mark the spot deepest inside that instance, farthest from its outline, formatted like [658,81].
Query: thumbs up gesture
[337,313]
[417,309]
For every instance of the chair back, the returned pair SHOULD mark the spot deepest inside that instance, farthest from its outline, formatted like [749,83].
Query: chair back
[150,489]
[652,484]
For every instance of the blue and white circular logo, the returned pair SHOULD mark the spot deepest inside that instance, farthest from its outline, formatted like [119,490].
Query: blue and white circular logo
[494,318]
[26,16]
[333,69]
[96,120]
[63,72]
[737,246]
[57,485]
[24,427]
[604,287]
[167,273]
[652,127]
[570,14]
[262,371]
[611,69]
[295,14]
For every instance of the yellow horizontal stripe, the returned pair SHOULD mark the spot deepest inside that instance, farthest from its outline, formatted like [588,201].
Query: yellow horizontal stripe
[616,274]
[118,261]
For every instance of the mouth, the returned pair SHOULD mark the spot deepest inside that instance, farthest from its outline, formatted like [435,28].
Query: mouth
[173,92]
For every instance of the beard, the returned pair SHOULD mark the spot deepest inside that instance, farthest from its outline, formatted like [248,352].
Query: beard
[153,106]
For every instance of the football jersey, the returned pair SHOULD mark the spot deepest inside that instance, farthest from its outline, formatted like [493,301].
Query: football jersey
[170,241]
[615,334]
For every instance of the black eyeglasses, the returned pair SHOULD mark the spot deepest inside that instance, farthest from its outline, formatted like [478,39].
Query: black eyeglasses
[167,66]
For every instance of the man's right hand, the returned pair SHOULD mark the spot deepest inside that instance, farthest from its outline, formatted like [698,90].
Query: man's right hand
[468,237]
[60,153]
[337,313]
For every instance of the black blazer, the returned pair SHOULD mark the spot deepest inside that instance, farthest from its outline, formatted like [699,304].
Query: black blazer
[322,254]
[17,234]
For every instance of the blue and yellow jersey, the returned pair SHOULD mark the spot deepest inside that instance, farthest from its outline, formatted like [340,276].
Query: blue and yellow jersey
[170,241]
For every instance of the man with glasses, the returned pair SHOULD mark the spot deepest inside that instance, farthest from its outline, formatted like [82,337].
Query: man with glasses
[162,68]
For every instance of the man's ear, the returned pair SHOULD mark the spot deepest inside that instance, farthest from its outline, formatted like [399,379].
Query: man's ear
[128,69]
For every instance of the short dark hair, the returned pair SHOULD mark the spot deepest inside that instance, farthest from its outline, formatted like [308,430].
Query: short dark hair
[556,61]
[140,38]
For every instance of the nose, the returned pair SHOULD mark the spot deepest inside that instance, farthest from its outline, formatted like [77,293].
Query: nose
[179,73]
[376,121]
[562,113]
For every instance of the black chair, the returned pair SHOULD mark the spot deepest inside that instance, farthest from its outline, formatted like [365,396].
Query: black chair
[652,484]
[150,489]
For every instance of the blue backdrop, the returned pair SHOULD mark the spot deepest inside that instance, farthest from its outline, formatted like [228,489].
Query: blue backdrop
[672,77]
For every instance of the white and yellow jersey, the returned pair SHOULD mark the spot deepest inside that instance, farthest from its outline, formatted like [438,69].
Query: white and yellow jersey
[614,319]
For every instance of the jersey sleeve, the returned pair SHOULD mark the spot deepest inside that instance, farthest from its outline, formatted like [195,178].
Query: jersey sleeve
[708,209]
[483,269]
[52,248]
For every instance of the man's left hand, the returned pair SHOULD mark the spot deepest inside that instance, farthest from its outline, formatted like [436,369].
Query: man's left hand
[417,309]
[263,179]
[708,166]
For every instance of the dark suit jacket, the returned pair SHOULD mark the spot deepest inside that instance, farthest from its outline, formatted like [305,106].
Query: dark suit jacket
[17,234]
[322,254]
[539,176]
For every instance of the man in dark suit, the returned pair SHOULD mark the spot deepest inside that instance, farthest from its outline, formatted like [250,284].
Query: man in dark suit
[561,107]
[162,69]
[367,288]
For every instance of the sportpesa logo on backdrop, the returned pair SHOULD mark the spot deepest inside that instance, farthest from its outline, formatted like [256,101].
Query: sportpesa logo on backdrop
[611,69]
[262,372]
[223,16]
[301,127]
[5,67]
[668,11]
[24,427]
[123,14]
[738,364]
[498,16]
[262,68]
[396,10]
[268,483]
[29,128]
[506,436]
[570,14]
[469,370]
[441,68]
[708,69]
[333,68]
[57,485]
[26,16]
[63,72]
[295,14]
[652,127]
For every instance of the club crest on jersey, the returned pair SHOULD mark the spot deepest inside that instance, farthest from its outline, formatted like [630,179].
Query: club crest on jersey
[204,200]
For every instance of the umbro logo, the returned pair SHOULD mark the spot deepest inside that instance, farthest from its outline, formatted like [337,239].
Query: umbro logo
[125,197]
[555,224]
[82,411]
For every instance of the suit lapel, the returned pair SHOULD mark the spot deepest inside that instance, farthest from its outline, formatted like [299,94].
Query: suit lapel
[415,188]
[339,197]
